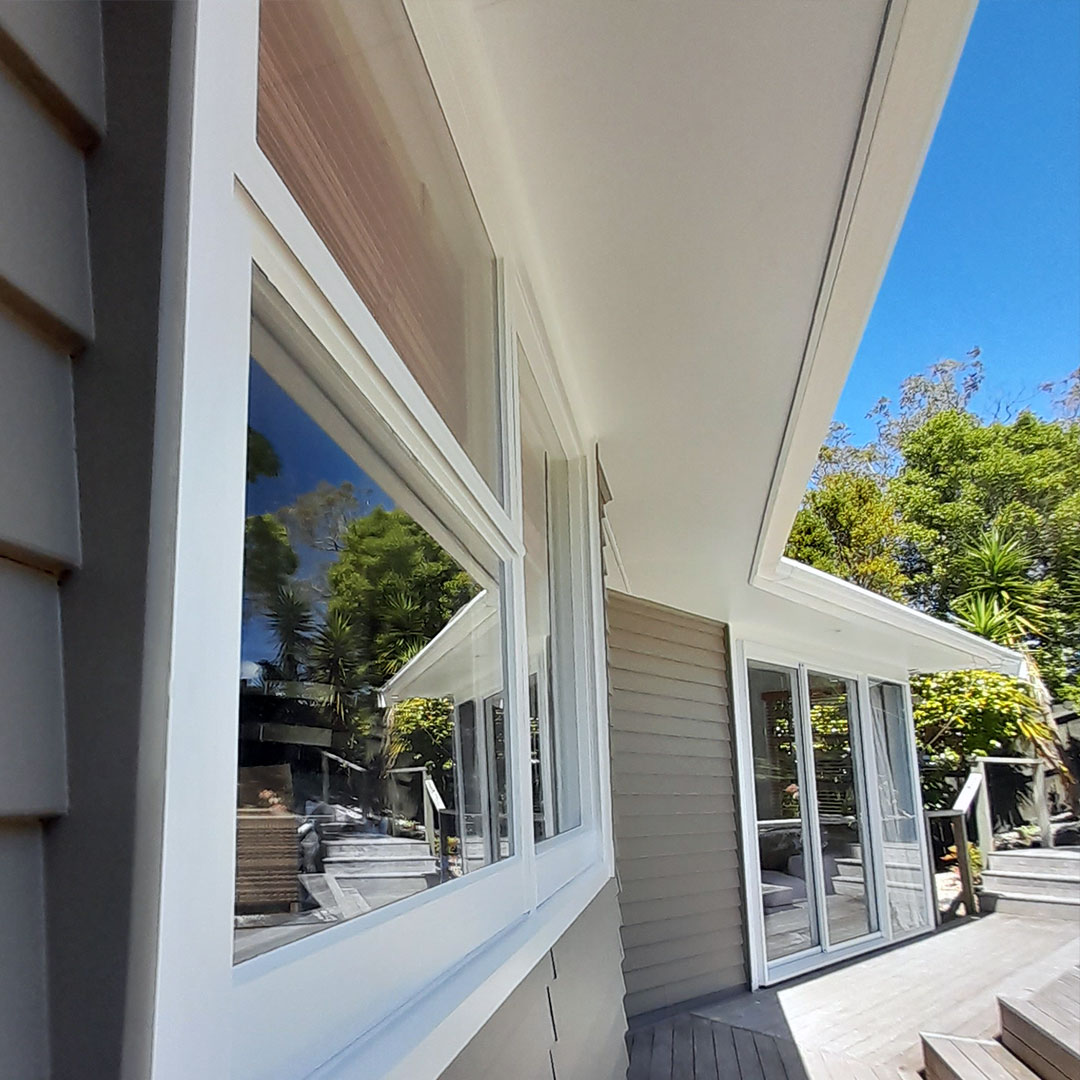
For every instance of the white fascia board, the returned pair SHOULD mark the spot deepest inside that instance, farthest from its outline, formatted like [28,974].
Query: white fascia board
[833,596]
[920,46]
[918,53]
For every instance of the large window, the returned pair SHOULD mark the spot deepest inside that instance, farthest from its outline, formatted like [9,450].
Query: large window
[373,743]
[553,728]
[349,119]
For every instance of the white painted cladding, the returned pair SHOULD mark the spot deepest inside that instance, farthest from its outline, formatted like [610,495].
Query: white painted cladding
[676,831]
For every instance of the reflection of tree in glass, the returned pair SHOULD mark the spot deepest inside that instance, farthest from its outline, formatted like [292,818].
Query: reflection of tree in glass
[262,459]
[350,599]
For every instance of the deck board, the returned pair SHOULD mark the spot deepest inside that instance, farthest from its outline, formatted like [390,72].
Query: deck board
[863,1021]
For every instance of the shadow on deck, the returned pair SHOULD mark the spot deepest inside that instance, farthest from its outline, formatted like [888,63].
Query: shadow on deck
[861,1020]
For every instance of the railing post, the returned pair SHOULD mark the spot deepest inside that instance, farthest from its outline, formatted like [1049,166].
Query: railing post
[984,823]
[933,875]
[963,862]
[1046,833]
[429,814]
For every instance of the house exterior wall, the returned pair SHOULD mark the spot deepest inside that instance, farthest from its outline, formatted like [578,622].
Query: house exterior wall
[45,316]
[676,830]
[81,215]
[565,1021]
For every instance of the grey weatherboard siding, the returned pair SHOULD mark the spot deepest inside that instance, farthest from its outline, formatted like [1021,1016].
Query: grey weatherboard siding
[674,803]
[82,204]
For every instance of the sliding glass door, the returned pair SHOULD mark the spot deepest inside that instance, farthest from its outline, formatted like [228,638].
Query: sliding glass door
[819,871]
[784,831]
[908,909]
[846,866]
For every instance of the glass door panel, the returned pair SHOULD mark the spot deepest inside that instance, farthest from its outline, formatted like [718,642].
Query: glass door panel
[898,799]
[787,887]
[847,870]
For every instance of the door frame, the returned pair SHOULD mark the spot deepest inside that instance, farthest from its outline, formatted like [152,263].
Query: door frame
[802,661]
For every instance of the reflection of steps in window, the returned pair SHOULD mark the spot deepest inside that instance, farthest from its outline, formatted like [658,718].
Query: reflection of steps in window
[850,880]
[382,869]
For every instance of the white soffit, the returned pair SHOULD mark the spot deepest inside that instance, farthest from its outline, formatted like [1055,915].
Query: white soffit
[703,196]
[682,165]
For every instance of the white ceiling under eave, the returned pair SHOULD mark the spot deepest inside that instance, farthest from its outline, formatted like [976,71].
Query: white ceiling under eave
[684,164]
[685,177]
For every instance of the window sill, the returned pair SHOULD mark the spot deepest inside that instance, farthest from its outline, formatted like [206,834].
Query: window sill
[425,1037]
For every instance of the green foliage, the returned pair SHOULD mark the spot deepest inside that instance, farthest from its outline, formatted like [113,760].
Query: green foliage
[1001,600]
[262,459]
[959,515]
[422,729]
[367,595]
[960,715]
[398,584]
[848,526]
[269,559]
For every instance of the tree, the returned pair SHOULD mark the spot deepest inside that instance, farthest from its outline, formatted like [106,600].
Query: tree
[1001,599]
[422,729]
[960,715]
[1003,602]
[262,459]
[946,386]
[269,560]
[962,478]
[397,584]
[848,526]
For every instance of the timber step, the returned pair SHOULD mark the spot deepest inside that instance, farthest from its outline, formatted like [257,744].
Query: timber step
[1042,882]
[1022,882]
[1032,905]
[1043,1029]
[1062,862]
[954,1057]
[1040,1039]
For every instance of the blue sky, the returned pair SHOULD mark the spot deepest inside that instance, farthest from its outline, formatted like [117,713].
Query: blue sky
[308,457]
[989,254]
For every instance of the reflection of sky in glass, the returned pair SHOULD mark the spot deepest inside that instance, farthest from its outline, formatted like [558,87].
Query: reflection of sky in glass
[308,457]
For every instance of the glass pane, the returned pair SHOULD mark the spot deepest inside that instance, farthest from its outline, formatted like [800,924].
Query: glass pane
[549,619]
[901,818]
[349,119]
[367,654]
[845,858]
[786,881]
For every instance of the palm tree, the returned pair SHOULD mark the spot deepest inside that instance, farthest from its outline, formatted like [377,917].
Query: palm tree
[335,660]
[1003,602]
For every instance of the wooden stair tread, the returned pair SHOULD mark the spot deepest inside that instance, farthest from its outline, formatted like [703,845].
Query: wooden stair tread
[1067,1035]
[955,1057]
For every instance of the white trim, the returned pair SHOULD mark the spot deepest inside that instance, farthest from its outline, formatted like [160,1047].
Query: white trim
[423,1040]
[918,51]
[299,265]
[875,839]
[831,595]
[192,1022]
[445,959]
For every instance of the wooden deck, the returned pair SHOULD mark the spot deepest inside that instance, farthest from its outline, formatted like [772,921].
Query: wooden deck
[861,1021]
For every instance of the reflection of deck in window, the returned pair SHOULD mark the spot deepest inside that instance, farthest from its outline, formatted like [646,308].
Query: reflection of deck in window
[364,647]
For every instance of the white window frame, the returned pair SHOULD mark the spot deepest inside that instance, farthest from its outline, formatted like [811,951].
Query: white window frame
[401,989]
[803,660]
